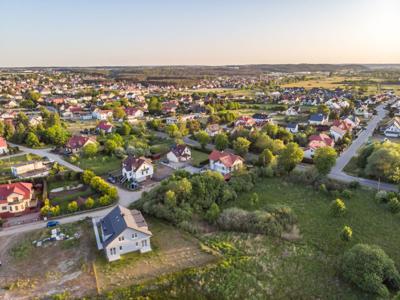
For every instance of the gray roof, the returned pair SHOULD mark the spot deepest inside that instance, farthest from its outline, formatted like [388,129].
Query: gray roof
[317,117]
[119,219]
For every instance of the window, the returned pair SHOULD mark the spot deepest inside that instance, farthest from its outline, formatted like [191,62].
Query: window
[120,247]
[121,238]
[113,251]
[134,235]
[144,243]
[137,244]
[4,208]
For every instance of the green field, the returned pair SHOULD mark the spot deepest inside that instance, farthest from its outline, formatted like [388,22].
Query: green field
[304,265]
[100,164]
[198,157]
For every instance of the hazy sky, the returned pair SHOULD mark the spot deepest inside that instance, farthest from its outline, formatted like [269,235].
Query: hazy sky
[212,32]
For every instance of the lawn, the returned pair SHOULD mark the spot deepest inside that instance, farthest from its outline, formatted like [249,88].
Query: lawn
[100,164]
[198,157]
[351,168]
[173,250]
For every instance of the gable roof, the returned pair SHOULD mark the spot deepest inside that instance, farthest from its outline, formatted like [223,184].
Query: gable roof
[104,125]
[3,142]
[179,150]
[226,158]
[78,141]
[317,117]
[132,163]
[21,188]
[119,219]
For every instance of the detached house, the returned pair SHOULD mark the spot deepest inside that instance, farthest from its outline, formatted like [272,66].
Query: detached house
[122,231]
[102,114]
[137,169]
[15,198]
[392,128]
[104,127]
[213,129]
[225,162]
[77,142]
[3,146]
[318,119]
[179,153]
[133,114]
[315,142]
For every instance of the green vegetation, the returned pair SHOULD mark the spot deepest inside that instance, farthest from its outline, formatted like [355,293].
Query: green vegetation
[198,157]
[100,163]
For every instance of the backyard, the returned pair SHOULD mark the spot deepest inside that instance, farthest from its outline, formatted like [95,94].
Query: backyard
[7,162]
[100,164]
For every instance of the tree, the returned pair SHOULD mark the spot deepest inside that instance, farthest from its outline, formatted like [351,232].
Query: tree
[290,157]
[110,145]
[262,142]
[371,269]
[221,141]
[125,129]
[90,149]
[212,213]
[9,131]
[72,206]
[87,176]
[265,158]
[394,205]
[32,140]
[284,135]
[203,138]
[170,198]
[154,105]
[338,208]
[89,203]
[271,129]
[172,130]
[118,113]
[384,160]
[346,234]
[325,159]
[241,146]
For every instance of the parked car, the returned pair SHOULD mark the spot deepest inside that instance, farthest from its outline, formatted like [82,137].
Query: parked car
[52,224]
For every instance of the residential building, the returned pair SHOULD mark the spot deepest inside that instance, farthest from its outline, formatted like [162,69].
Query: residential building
[225,162]
[315,142]
[392,128]
[77,142]
[30,169]
[137,169]
[318,119]
[16,198]
[100,114]
[179,153]
[3,146]
[105,127]
[122,231]
[292,127]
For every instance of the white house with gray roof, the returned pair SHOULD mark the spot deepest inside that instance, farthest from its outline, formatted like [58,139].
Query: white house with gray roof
[122,231]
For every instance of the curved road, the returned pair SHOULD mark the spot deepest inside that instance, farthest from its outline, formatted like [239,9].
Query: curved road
[337,171]
[125,197]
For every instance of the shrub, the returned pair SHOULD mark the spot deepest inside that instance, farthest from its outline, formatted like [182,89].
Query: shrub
[381,196]
[254,199]
[346,234]
[212,213]
[371,269]
[73,206]
[266,172]
[89,203]
[347,194]
[354,185]
[394,205]
[104,200]
[338,208]
[188,226]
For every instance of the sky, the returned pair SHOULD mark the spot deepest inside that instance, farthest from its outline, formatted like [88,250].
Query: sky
[202,32]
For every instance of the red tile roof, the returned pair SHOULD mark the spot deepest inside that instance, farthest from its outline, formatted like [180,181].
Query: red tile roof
[3,142]
[226,158]
[21,188]
[104,125]
[77,141]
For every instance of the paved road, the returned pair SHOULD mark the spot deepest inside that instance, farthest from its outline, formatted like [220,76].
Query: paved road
[125,197]
[337,171]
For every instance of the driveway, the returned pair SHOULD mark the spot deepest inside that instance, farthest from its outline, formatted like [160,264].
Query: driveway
[337,171]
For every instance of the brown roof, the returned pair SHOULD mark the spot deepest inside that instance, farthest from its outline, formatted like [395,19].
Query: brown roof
[77,141]
[226,158]
[133,163]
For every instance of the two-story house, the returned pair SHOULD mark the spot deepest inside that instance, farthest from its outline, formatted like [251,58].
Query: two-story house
[122,231]
[137,169]
[15,198]
[225,162]
[179,153]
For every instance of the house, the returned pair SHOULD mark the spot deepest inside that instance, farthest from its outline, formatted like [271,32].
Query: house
[261,118]
[292,127]
[3,146]
[245,121]
[30,169]
[133,114]
[137,169]
[122,231]
[337,132]
[16,198]
[77,142]
[179,153]
[102,114]
[35,120]
[291,111]
[318,119]
[392,128]
[317,141]
[213,129]
[225,162]
[104,127]
[352,120]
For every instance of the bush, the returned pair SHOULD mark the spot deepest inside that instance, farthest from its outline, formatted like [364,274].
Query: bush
[338,208]
[73,206]
[354,185]
[212,213]
[394,205]
[269,223]
[347,194]
[346,234]
[371,269]
[266,172]
[188,227]
[381,197]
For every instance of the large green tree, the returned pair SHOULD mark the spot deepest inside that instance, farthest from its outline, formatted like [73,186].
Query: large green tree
[290,157]
[324,159]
